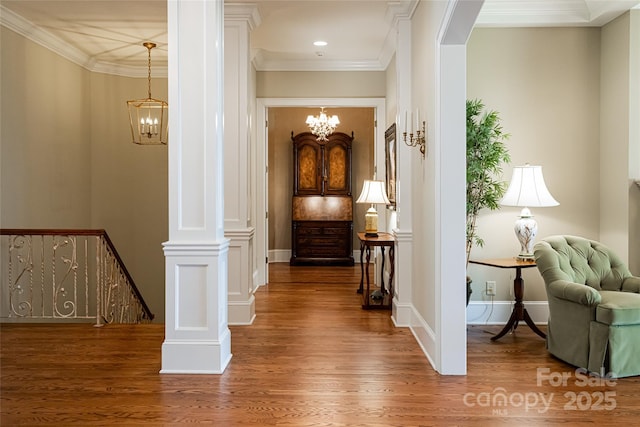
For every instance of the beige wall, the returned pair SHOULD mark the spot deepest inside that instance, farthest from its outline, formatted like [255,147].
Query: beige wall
[424,29]
[634,143]
[45,127]
[614,136]
[283,121]
[545,83]
[620,136]
[130,183]
[391,99]
[67,159]
[319,84]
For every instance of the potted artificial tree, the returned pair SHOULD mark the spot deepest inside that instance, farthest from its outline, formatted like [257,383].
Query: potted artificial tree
[486,152]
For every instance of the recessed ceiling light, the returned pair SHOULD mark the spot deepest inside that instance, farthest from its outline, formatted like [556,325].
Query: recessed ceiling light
[319,43]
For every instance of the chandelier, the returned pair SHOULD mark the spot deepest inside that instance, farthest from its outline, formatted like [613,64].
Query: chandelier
[148,117]
[322,126]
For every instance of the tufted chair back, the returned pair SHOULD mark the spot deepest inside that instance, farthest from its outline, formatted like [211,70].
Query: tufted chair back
[580,260]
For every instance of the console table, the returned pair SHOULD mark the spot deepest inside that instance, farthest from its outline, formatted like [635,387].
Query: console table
[519,312]
[382,241]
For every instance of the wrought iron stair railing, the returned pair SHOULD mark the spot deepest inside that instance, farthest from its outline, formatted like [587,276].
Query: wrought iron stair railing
[66,275]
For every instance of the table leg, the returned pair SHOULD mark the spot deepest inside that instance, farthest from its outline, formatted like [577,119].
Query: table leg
[368,294]
[361,268]
[382,289]
[392,267]
[519,312]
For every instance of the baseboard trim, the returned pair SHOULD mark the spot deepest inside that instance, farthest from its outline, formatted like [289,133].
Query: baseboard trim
[498,312]
[284,255]
[242,313]
[401,314]
[424,335]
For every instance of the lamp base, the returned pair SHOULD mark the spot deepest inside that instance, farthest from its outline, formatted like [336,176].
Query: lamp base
[526,229]
[371,222]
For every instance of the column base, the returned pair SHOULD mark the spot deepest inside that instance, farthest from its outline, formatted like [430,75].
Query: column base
[242,312]
[196,357]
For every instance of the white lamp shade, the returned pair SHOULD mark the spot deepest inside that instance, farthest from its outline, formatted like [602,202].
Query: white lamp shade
[373,192]
[527,189]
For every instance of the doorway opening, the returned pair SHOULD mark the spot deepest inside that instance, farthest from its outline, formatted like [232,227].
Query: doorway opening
[283,116]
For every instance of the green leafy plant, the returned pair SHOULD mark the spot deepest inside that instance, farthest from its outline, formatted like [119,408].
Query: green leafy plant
[486,153]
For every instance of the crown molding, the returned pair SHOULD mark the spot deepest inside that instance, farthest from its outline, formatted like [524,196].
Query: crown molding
[396,10]
[233,12]
[27,29]
[243,12]
[403,9]
[11,20]
[510,13]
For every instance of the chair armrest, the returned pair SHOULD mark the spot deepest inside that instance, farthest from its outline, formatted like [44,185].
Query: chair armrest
[574,292]
[631,284]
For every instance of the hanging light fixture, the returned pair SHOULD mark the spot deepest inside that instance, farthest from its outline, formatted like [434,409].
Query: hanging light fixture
[148,117]
[322,125]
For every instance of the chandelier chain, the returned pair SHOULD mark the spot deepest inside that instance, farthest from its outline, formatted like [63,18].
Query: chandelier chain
[149,73]
[149,46]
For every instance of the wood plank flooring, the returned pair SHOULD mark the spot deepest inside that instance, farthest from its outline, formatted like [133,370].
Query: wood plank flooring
[313,357]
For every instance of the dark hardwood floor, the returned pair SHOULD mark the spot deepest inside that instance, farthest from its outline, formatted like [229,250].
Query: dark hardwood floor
[313,357]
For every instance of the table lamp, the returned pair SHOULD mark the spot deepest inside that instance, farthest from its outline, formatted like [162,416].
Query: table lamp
[527,189]
[372,192]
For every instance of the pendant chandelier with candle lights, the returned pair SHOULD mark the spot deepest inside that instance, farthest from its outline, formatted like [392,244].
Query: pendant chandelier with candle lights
[148,117]
[322,126]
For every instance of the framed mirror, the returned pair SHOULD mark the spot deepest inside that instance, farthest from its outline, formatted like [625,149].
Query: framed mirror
[391,163]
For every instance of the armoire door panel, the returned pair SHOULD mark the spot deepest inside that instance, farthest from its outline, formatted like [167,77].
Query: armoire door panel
[307,168]
[337,162]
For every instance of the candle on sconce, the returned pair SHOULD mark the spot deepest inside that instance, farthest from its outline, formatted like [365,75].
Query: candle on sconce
[418,119]
[405,121]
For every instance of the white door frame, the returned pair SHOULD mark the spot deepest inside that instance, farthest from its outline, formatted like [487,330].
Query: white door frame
[263,104]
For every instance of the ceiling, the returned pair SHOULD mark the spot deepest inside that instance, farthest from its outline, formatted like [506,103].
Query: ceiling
[107,35]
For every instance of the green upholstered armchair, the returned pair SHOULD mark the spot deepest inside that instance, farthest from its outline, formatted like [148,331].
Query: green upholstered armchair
[594,305]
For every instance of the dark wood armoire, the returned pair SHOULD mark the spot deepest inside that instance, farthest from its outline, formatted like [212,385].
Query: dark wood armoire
[322,205]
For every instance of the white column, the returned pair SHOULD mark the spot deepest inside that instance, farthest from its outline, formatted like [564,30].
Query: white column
[450,182]
[197,337]
[239,225]
[402,306]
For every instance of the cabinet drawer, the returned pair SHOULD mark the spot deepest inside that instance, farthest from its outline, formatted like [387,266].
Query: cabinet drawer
[322,242]
[322,251]
[323,232]
[318,242]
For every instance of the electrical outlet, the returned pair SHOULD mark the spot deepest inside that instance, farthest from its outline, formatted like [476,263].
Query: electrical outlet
[490,289]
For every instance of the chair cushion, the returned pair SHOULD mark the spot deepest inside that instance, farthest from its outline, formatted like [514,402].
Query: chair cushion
[619,308]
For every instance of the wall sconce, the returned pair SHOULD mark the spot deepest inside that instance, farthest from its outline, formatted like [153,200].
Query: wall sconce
[419,139]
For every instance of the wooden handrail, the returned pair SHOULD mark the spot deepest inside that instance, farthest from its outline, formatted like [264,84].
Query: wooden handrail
[83,232]
[51,232]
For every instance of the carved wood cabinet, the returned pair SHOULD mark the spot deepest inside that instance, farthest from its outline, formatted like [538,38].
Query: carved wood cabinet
[322,205]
